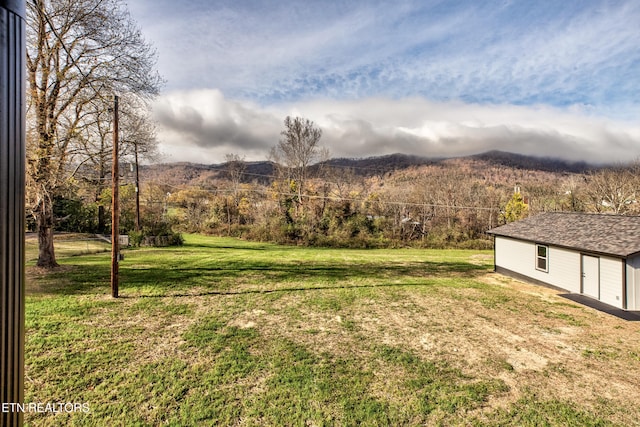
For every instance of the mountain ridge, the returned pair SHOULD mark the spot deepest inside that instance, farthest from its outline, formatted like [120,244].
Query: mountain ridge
[401,160]
[179,173]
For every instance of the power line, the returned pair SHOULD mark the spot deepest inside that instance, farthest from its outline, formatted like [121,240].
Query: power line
[332,198]
[217,191]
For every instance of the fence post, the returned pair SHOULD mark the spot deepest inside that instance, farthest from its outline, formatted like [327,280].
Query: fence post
[12,173]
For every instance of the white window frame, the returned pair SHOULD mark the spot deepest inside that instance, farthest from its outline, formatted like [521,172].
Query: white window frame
[545,258]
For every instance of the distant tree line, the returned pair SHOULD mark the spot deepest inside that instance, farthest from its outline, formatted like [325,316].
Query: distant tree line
[308,202]
[434,206]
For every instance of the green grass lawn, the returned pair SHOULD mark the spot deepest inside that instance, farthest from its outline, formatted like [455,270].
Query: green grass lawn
[67,245]
[226,332]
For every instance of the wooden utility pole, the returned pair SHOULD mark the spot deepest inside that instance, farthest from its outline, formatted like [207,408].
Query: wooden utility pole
[115,206]
[12,174]
[135,147]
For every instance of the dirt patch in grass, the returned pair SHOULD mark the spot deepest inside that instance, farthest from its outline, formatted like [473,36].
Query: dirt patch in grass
[37,280]
[481,259]
[36,274]
[531,339]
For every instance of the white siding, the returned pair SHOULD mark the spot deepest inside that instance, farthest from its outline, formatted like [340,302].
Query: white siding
[564,267]
[520,257]
[611,280]
[633,283]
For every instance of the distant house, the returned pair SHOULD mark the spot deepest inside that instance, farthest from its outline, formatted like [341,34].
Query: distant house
[596,255]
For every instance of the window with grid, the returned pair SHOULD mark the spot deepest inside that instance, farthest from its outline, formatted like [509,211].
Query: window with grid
[542,258]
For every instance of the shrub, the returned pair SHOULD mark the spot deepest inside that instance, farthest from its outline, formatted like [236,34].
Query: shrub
[157,234]
[135,238]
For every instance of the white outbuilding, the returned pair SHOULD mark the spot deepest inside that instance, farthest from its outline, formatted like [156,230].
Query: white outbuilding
[596,255]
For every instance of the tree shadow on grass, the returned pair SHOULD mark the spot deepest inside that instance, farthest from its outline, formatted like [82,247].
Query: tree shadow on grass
[267,291]
[235,276]
[280,275]
[231,243]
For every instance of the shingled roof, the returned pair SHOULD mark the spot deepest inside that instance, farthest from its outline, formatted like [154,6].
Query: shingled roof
[605,234]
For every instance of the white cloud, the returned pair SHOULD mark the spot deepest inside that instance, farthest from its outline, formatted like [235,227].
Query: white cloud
[487,52]
[203,126]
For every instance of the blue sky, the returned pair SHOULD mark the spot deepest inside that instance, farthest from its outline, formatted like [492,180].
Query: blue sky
[430,78]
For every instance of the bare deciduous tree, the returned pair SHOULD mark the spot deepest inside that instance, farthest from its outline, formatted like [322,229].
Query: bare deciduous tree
[92,150]
[78,52]
[612,190]
[297,150]
[235,169]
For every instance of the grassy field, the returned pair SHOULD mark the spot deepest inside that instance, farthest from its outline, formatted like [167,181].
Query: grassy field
[67,245]
[225,332]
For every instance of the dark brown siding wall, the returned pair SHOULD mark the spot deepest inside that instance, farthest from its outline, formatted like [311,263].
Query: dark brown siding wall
[12,169]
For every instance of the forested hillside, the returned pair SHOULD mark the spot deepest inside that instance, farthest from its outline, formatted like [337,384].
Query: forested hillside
[391,200]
